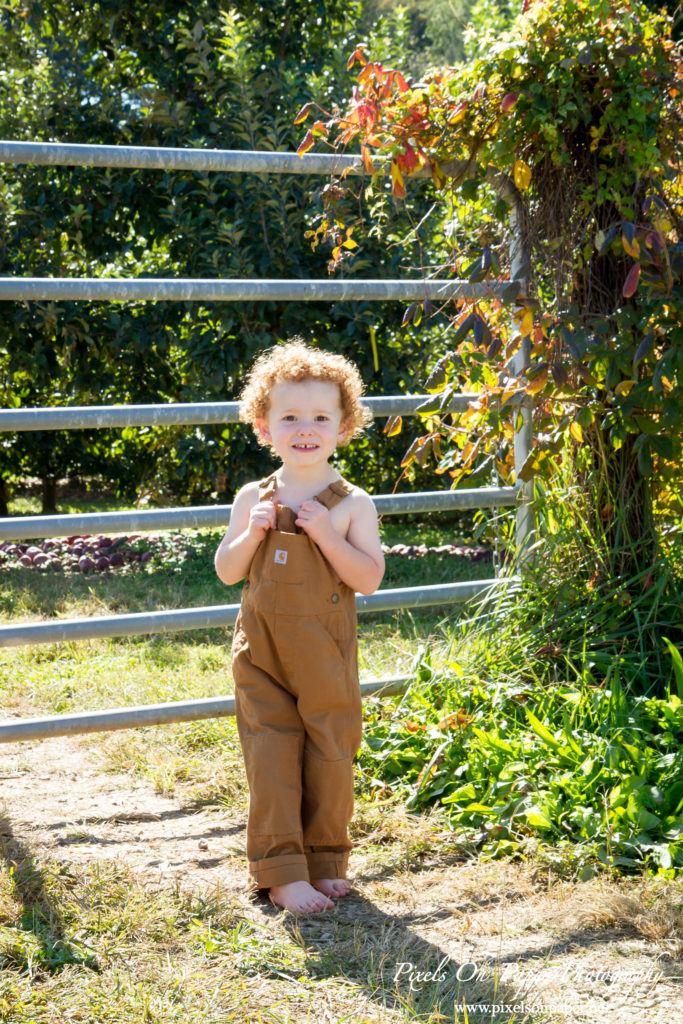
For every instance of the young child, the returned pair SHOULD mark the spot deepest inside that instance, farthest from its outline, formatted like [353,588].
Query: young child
[307,541]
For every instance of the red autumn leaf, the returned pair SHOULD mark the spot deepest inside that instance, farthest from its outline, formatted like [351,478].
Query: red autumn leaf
[303,113]
[356,55]
[307,143]
[408,315]
[631,282]
[654,240]
[509,101]
[366,73]
[408,160]
[319,128]
[401,82]
[458,113]
[388,84]
[367,115]
[346,136]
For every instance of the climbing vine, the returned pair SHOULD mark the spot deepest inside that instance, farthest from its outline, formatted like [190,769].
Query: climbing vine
[572,123]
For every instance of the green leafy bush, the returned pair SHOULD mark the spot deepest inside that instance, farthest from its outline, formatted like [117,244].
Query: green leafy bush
[517,765]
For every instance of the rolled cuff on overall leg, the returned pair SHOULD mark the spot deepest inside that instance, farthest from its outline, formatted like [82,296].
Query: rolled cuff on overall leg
[290,867]
[327,864]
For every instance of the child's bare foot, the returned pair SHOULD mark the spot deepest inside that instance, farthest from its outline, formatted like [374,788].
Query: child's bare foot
[299,897]
[333,887]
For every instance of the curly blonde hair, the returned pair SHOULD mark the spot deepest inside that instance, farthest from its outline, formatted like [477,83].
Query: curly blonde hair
[296,361]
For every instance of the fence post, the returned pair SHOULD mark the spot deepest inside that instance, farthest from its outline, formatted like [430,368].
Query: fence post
[519,271]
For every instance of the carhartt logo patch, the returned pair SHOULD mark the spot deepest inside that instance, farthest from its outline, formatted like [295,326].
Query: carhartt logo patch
[281,557]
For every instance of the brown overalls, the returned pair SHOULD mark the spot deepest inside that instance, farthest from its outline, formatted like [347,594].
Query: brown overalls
[297,701]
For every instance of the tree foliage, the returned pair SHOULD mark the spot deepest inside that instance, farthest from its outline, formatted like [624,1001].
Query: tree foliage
[166,73]
[577,109]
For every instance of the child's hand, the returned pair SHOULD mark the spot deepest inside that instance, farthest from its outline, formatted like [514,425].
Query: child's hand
[262,518]
[315,519]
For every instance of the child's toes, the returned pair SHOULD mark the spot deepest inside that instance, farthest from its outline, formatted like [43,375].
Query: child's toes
[333,887]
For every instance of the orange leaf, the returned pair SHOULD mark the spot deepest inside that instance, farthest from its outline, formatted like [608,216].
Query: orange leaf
[527,322]
[401,82]
[356,55]
[632,248]
[366,73]
[367,115]
[538,383]
[631,282]
[393,426]
[367,161]
[307,143]
[458,113]
[457,720]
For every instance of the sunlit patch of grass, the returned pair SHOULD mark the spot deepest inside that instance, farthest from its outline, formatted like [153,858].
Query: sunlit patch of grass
[202,759]
[100,944]
[26,499]
[91,674]
[652,909]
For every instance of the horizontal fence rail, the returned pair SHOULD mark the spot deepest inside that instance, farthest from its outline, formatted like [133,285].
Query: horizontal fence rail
[145,289]
[112,719]
[89,417]
[212,617]
[205,516]
[162,158]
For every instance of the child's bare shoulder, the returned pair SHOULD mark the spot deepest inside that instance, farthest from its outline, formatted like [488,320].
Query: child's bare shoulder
[248,491]
[361,502]
[246,497]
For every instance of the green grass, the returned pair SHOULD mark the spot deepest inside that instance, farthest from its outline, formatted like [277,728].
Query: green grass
[95,944]
[91,496]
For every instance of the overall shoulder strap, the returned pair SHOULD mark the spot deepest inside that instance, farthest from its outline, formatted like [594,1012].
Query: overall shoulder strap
[335,493]
[285,517]
[266,487]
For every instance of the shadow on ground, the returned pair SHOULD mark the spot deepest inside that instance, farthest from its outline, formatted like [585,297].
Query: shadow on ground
[36,937]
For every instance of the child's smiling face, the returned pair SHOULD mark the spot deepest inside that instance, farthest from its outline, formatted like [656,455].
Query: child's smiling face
[304,422]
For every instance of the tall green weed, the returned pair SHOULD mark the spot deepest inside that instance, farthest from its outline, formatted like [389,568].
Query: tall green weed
[557,723]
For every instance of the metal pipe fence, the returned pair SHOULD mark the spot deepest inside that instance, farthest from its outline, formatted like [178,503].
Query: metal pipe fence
[213,617]
[206,516]
[88,417]
[162,158]
[154,714]
[145,289]
[220,290]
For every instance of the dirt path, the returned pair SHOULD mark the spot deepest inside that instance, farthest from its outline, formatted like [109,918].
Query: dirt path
[585,952]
